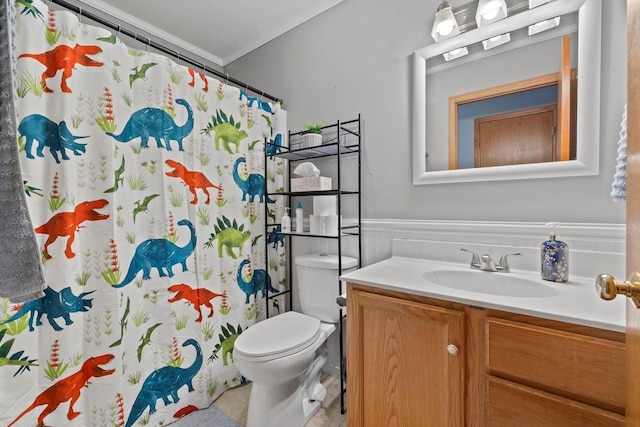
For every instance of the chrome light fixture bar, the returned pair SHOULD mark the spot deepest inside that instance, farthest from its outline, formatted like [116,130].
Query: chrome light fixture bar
[536,3]
[444,23]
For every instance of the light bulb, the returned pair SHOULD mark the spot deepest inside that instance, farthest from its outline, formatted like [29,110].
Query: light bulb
[490,14]
[444,28]
[489,11]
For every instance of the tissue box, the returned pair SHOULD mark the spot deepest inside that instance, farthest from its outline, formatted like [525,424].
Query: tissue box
[311,183]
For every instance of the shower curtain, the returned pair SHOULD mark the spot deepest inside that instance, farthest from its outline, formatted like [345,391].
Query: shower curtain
[145,185]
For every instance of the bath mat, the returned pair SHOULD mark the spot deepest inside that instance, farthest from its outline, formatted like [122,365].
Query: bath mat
[211,416]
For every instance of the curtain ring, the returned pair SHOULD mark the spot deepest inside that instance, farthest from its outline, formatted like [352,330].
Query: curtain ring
[79,16]
[226,79]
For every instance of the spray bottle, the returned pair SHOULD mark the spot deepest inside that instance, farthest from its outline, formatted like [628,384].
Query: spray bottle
[285,221]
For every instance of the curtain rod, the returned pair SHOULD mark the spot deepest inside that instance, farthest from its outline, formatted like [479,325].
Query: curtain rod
[162,48]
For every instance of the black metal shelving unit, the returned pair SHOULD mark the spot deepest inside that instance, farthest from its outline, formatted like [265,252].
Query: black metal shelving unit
[341,140]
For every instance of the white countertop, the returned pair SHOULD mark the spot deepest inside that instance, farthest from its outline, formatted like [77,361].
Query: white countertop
[576,301]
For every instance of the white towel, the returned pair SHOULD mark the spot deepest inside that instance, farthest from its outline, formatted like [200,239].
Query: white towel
[619,186]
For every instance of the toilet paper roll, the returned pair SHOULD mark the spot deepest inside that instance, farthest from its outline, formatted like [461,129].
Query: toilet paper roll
[316,225]
[330,225]
[324,205]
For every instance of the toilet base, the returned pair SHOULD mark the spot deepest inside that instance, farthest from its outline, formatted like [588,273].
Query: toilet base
[293,410]
[292,403]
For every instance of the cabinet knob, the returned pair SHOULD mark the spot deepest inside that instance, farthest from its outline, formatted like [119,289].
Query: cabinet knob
[608,288]
[452,349]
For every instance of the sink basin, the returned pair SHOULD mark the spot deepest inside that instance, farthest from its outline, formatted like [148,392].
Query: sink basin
[483,282]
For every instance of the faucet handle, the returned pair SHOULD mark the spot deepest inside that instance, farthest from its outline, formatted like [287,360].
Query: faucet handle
[503,264]
[475,259]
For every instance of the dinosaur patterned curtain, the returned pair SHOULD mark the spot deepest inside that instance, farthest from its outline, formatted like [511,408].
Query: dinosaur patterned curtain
[145,184]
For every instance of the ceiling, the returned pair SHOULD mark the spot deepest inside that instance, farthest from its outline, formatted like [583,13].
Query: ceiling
[218,31]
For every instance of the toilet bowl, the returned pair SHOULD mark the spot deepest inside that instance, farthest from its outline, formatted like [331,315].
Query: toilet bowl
[283,355]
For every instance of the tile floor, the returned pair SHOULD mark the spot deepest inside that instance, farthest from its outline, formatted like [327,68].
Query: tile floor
[234,403]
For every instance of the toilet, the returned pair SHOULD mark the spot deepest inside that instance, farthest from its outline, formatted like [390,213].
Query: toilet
[283,355]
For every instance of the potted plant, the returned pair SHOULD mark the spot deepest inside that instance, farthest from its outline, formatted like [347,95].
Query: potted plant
[312,137]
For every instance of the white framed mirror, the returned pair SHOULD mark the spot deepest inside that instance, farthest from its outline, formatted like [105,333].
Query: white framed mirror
[586,160]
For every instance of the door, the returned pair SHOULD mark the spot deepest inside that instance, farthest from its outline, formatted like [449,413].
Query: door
[515,138]
[633,208]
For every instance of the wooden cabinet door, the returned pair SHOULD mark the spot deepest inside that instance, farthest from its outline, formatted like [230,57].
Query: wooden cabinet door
[400,372]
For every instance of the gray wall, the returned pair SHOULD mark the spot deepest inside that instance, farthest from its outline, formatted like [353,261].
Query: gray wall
[356,58]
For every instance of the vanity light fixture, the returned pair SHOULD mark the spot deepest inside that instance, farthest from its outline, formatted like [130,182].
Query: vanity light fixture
[489,11]
[544,25]
[444,23]
[536,3]
[456,53]
[496,41]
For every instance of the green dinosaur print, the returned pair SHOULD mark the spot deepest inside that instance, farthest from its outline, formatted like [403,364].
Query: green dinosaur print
[119,180]
[140,73]
[226,130]
[227,341]
[229,235]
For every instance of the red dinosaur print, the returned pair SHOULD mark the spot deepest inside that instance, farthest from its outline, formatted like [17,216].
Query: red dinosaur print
[195,297]
[68,389]
[192,83]
[64,58]
[192,179]
[185,411]
[67,223]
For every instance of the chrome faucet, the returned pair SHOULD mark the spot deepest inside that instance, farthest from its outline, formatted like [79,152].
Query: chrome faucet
[485,263]
[503,264]
[475,259]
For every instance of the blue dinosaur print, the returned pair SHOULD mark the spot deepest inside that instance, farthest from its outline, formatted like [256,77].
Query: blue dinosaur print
[276,238]
[275,146]
[261,104]
[161,254]
[260,281]
[153,122]
[164,383]
[57,137]
[54,304]
[252,186]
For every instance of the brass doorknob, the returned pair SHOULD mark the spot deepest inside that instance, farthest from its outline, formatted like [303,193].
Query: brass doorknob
[608,288]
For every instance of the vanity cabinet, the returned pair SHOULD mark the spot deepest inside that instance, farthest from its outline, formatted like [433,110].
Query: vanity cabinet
[506,369]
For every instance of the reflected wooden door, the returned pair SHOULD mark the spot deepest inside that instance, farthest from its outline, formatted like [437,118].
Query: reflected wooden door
[515,138]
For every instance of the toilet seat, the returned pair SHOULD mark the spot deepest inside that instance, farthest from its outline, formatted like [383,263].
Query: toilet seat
[277,337]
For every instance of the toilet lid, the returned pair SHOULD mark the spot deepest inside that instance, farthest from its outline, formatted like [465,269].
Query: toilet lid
[280,335]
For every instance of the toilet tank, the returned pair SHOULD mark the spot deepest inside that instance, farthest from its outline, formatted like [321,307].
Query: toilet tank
[318,284]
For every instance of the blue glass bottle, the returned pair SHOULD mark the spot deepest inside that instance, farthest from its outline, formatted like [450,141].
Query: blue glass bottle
[554,258]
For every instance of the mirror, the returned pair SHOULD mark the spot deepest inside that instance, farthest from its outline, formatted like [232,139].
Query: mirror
[430,142]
